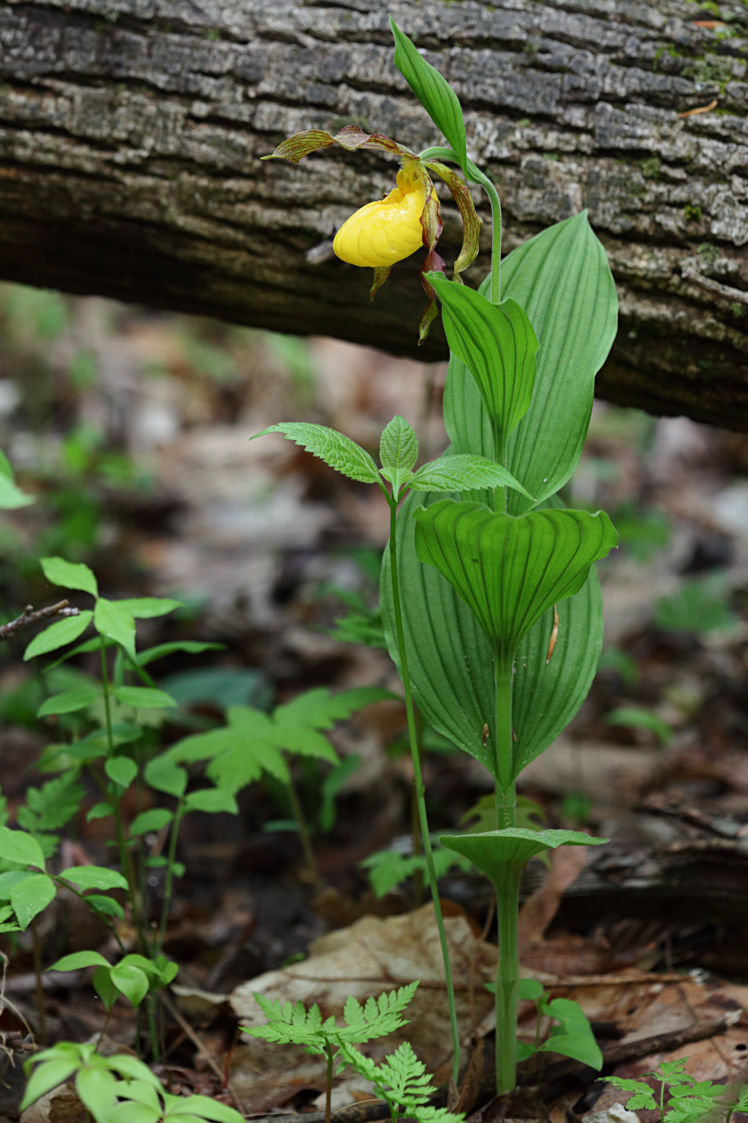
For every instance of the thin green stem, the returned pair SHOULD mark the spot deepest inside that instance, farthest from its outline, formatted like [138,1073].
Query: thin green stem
[477,176]
[169,882]
[474,174]
[507,981]
[420,790]
[125,856]
[304,835]
[328,1083]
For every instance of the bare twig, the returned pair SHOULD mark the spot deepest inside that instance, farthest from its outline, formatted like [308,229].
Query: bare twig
[31,615]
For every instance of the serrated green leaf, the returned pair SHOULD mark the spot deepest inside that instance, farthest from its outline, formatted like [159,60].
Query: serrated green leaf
[463,472]
[69,575]
[30,896]
[433,91]
[496,342]
[116,623]
[53,804]
[398,452]
[58,634]
[508,570]
[319,708]
[337,450]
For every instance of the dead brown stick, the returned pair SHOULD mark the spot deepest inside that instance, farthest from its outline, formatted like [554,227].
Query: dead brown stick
[31,615]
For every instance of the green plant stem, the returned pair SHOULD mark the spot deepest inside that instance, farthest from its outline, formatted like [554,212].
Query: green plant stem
[304,836]
[38,988]
[419,788]
[507,980]
[169,882]
[504,748]
[477,176]
[125,856]
[328,1082]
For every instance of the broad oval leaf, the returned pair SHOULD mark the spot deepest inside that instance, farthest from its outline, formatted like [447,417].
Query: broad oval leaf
[494,851]
[143,697]
[58,634]
[337,450]
[130,981]
[498,345]
[121,769]
[94,877]
[165,775]
[20,847]
[509,570]
[115,622]
[433,91]
[69,701]
[79,959]
[70,575]
[30,896]
[562,279]
[451,662]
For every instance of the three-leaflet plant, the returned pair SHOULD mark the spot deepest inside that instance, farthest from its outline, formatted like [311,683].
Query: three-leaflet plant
[490,601]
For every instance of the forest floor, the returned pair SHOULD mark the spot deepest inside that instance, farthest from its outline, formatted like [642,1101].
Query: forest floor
[132,431]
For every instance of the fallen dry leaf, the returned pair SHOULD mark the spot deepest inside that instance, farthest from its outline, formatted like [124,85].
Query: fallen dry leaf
[373,955]
[541,906]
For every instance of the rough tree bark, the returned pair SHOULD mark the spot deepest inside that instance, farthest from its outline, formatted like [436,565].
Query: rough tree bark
[131,131]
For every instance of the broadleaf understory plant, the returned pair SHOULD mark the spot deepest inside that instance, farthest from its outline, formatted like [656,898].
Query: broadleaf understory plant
[481,590]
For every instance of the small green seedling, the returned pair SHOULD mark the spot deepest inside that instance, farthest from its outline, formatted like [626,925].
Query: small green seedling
[289,1024]
[133,976]
[117,1089]
[572,1035]
[682,1098]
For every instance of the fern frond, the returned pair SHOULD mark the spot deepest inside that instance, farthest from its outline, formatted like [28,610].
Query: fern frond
[378,1017]
[407,1078]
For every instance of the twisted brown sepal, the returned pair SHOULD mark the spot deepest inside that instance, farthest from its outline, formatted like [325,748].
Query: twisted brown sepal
[351,138]
[381,273]
[433,262]
[471,223]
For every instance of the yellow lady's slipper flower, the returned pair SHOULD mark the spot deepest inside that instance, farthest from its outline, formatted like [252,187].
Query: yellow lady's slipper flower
[384,232]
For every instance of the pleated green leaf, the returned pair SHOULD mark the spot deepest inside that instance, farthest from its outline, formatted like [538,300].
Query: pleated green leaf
[433,91]
[497,344]
[562,279]
[493,851]
[451,661]
[508,570]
